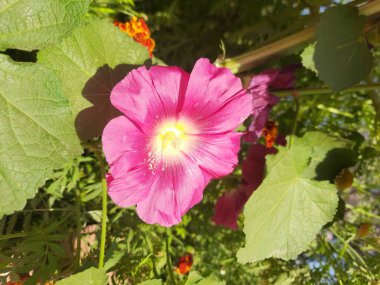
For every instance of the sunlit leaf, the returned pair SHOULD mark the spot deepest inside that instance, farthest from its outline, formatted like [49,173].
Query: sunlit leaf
[86,63]
[35,24]
[307,58]
[92,276]
[286,212]
[37,132]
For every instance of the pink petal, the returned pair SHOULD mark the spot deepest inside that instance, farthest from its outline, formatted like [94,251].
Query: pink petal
[284,79]
[215,98]
[217,154]
[129,189]
[171,84]
[262,80]
[174,191]
[150,96]
[258,122]
[121,136]
[262,100]
[275,78]
[228,208]
[253,167]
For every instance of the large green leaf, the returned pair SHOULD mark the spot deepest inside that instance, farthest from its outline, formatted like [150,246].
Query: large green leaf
[36,127]
[79,56]
[286,212]
[91,276]
[35,24]
[341,56]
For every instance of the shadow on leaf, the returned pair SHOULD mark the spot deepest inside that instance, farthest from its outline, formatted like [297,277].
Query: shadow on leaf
[334,161]
[90,122]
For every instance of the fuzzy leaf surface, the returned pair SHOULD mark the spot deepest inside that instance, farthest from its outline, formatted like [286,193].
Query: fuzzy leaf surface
[91,276]
[36,131]
[36,24]
[78,57]
[287,211]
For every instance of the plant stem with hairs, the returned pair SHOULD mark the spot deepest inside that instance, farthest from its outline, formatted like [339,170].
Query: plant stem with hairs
[104,211]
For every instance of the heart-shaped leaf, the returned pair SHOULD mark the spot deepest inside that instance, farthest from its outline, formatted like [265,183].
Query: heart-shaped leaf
[286,212]
[341,56]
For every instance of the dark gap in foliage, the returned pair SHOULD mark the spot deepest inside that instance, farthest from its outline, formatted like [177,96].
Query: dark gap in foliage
[121,17]
[21,55]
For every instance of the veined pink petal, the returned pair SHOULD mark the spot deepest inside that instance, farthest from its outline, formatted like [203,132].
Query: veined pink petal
[217,154]
[150,96]
[171,84]
[121,136]
[214,94]
[174,191]
[131,188]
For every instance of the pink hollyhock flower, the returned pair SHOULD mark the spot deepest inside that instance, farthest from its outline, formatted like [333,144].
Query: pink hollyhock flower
[229,206]
[175,135]
[263,100]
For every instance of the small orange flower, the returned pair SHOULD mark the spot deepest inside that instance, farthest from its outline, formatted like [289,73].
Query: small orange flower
[139,31]
[184,264]
[270,133]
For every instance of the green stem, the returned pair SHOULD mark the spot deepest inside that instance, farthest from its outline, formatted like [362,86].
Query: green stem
[324,90]
[352,252]
[295,123]
[16,235]
[169,260]
[104,212]
[79,227]
[48,210]
[361,211]
[155,272]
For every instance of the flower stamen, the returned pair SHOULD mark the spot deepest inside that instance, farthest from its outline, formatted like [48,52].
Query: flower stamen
[171,139]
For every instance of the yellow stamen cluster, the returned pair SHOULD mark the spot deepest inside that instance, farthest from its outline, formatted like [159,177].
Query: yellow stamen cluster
[171,139]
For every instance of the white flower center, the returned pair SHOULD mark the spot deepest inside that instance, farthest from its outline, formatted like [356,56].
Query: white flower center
[171,138]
